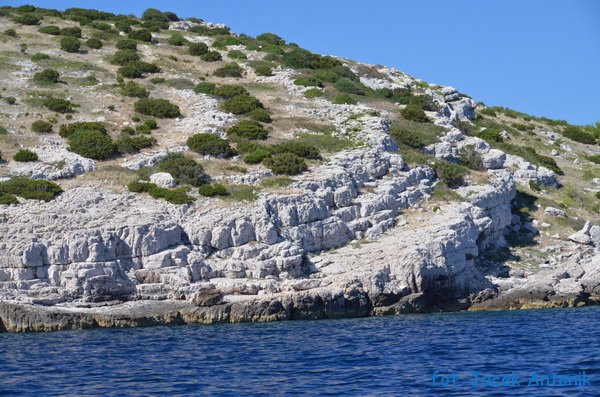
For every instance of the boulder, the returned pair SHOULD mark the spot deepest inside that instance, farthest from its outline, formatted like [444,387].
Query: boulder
[163,179]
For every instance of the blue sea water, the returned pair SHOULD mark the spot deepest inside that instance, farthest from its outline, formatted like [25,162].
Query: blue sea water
[389,356]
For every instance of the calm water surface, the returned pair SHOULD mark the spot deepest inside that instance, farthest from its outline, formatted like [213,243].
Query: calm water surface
[391,356]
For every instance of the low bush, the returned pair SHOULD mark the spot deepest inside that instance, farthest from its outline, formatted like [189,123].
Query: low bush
[177,39]
[286,163]
[257,155]
[471,158]
[260,114]
[11,33]
[578,135]
[136,70]
[134,90]
[177,196]
[133,144]
[313,93]
[299,148]
[205,88]
[414,113]
[39,57]
[247,129]
[126,44]
[594,158]
[449,174]
[276,181]
[270,38]
[3,131]
[344,99]
[263,70]
[488,112]
[160,108]
[184,169]
[46,76]
[50,29]
[8,199]
[240,104]
[197,49]
[229,91]
[66,130]
[209,144]
[123,25]
[30,189]
[70,44]
[236,54]
[41,127]
[212,190]
[94,44]
[211,56]
[122,57]
[25,156]
[403,136]
[140,35]
[208,31]
[100,26]
[58,105]
[71,32]
[308,81]
[151,124]
[27,19]
[423,101]
[11,100]
[350,87]
[92,144]
[229,70]
[179,83]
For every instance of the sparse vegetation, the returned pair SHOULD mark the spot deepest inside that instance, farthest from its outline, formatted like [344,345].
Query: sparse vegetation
[578,135]
[344,99]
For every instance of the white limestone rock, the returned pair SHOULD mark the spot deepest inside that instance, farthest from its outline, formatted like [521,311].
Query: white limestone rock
[163,179]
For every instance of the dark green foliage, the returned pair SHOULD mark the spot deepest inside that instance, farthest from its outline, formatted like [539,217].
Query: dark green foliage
[206,31]
[8,199]
[229,91]
[270,38]
[236,54]
[26,19]
[58,105]
[286,163]
[245,146]
[257,155]
[160,108]
[260,114]
[212,190]
[126,44]
[50,29]
[344,99]
[262,69]
[46,76]
[151,124]
[222,43]
[211,56]
[136,70]
[140,35]
[25,156]
[134,144]
[30,189]
[414,113]
[471,158]
[41,127]
[66,130]
[185,170]
[88,14]
[449,174]
[157,18]
[205,88]
[174,196]
[70,44]
[11,33]
[123,26]
[350,87]
[231,69]
[488,112]
[100,26]
[423,101]
[299,148]
[594,158]
[313,93]
[3,131]
[197,49]
[398,95]
[139,187]
[92,144]
[403,136]
[94,44]
[209,144]
[491,134]
[71,32]
[335,73]
[308,81]
[122,57]
[248,129]
[134,90]
[11,100]
[578,135]
[177,39]
[240,104]
[298,59]
[39,57]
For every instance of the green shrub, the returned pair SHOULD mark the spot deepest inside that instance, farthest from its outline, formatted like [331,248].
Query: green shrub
[344,99]
[257,155]
[471,158]
[134,144]
[100,26]
[197,49]
[126,44]
[11,100]
[66,130]
[58,105]
[46,76]
[403,136]
[8,199]
[245,146]
[122,57]
[70,44]
[488,112]
[270,38]
[308,81]
[286,163]
[240,104]
[449,174]
[3,131]
[50,29]
[211,56]
[298,59]
[209,144]
[140,35]
[136,70]
[263,70]
[39,57]
[248,129]
[260,114]
[229,70]
[236,54]
[212,190]
[151,124]
[92,144]
[30,189]
[578,135]
[160,108]
[177,39]
[206,31]
[134,90]
[423,101]
[174,196]
[139,187]
[41,127]
[25,156]
[94,44]
[299,148]
[350,87]
[313,93]
[11,33]
[185,170]
[229,91]
[71,32]
[123,26]
[594,158]
[27,19]
[205,88]
[414,113]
